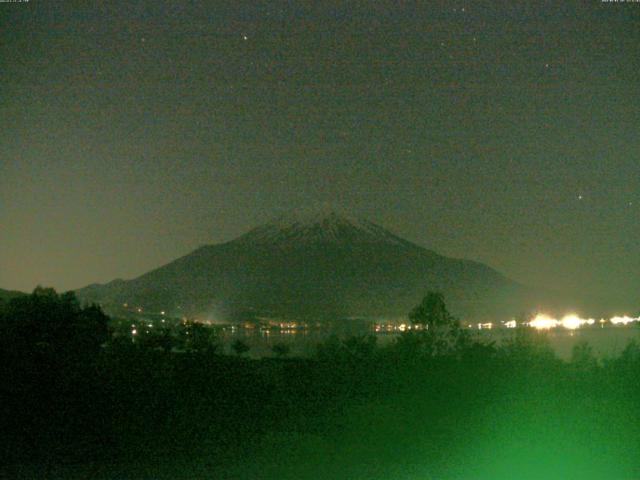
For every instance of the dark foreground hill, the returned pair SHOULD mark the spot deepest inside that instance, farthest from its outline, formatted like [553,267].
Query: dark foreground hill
[316,265]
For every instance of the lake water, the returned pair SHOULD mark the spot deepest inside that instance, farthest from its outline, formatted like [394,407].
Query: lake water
[606,341]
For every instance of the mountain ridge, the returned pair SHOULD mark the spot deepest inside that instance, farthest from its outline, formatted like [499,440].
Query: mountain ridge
[315,264]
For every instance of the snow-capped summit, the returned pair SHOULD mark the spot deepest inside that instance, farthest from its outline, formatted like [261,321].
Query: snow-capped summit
[321,223]
[313,214]
[317,263]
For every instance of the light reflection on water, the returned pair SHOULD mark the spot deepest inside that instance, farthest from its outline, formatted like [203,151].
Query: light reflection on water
[606,342]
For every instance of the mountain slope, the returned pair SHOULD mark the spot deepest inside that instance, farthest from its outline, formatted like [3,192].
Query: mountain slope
[317,264]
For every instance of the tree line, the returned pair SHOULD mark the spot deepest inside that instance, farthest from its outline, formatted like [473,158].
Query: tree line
[72,392]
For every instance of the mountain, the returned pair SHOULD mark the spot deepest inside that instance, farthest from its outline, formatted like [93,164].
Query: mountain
[315,264]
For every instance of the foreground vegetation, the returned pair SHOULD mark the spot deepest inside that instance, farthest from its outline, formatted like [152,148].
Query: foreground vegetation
[77,404]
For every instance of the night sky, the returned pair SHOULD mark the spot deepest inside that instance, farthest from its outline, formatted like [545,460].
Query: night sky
[503,132]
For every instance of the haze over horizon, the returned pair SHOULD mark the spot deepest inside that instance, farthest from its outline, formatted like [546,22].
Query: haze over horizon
[500,133]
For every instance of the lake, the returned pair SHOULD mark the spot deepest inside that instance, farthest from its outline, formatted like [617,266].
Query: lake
[606,341]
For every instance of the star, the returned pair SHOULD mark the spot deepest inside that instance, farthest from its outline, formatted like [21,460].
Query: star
[244,37]
[580,197]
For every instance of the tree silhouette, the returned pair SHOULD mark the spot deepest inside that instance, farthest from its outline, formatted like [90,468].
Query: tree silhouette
[527,346]
[50,347]
[360,346]
[197,337]
[160,338]
[441,333]
[583,358]
[202,338]
[47,322]
[240,347]
[281,349]
[431,312]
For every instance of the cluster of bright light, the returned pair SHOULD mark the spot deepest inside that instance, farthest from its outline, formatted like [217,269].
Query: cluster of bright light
[543,322]
[393,327]
[623,320]
[571,322]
